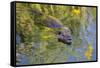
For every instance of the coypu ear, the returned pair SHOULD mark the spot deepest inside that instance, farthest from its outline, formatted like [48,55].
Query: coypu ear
[59,32]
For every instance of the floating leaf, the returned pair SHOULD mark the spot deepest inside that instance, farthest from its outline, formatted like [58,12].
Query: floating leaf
[88,52]
[75,11]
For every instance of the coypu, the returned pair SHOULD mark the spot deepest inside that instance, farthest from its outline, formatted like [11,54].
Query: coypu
[63,33]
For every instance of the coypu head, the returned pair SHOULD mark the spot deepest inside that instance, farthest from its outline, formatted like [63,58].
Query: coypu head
[65,36]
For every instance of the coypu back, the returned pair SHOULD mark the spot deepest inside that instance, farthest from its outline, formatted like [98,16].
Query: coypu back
[52,22]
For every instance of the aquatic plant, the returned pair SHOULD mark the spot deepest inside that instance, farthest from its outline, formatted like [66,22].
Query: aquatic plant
[40,44]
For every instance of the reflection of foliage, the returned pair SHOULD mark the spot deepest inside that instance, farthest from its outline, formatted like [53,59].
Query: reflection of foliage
[38,42]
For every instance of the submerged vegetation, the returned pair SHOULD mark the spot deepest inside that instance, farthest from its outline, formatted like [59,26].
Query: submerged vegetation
[37,44]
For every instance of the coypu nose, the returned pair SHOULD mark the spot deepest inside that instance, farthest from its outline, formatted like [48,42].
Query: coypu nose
[69,38]
[69,43]
[65,41]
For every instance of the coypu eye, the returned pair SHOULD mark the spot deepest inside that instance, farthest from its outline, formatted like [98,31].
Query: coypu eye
[59,32]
